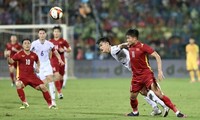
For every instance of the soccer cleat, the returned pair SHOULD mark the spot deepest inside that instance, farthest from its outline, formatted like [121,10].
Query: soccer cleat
[180,115]
[53,107]
[24,105]
[60,96]
[132,114]
[165,111]
[156,112]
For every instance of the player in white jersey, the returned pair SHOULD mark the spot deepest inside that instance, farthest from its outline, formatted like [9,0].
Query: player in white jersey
[43,49]
[122,55]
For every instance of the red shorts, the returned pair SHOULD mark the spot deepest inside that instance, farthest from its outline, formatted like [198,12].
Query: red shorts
[138,83]
[58,68]
[31,80]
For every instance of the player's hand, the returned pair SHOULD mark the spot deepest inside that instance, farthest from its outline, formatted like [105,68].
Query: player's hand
[37,70]
[160,75]
[7,53]
[61,50]
[61,62]
[123,45]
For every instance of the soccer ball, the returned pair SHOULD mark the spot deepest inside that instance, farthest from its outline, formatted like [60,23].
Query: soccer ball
[56,13]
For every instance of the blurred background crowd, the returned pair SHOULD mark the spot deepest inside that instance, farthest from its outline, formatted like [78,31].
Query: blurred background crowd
[166,25]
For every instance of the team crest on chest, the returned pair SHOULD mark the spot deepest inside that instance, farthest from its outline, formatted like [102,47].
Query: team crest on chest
[32,56]
[137,49]
[23,55]
[60,42]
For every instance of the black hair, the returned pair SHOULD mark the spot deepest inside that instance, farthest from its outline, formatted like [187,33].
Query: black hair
[133,33]
[57,27]
[26,39]
[42,29]
[103,39]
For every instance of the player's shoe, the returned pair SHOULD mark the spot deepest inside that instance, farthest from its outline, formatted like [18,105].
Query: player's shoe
[165,111]
[156,111]
[53,107]
[181,115]
[60,96]
[132,114]
[24,105]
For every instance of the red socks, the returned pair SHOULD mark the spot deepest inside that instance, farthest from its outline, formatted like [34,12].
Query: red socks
[21,94]
[134,104]
[58,85]
[47,97]
[12,77]
[168,102]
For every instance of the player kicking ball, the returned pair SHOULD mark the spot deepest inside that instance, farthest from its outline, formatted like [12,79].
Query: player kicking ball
[26,75]
[122,55]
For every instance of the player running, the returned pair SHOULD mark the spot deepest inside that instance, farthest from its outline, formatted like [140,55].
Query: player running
[61,46]
[25,73]
[13,46]
[43,48]
[142,75]
[122,55]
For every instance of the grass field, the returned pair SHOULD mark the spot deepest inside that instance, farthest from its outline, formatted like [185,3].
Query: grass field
[97,99]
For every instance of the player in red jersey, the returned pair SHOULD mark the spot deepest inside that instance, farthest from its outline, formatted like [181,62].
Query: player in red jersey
[25,73]
[13,46]
[143,76]
[61,46]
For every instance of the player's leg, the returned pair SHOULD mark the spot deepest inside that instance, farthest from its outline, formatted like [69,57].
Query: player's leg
[151,95]
[134,104]
[190,69]
[134,90]
[19,86]
[45,93]
[147,95]
[12,74]
[58,84]
[166,100]
[52,89]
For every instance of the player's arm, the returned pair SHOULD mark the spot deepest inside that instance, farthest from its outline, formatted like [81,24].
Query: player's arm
[66,48]
[58,56]
[123,45]
[159,64]
[7,55]
[37,68]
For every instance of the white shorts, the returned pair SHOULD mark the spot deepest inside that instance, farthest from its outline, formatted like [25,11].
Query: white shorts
[45,70]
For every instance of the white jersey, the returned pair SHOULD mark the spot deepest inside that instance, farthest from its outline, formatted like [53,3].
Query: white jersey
[42,50]
[121,55]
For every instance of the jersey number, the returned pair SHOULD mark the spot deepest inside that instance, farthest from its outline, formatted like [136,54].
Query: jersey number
[28,62]
[42,53]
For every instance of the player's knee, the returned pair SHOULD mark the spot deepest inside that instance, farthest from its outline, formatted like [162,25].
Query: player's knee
[43,87]
[19,84]
[133,96]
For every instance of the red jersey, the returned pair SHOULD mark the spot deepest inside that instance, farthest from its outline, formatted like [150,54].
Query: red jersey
[60,43]
[139,59]
[25,63]
[10,46]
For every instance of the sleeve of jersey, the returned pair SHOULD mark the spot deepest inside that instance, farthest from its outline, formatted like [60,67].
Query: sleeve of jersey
[52,47]
[32,46]
[66,44]
[36,58]
[148,49]
[16,57]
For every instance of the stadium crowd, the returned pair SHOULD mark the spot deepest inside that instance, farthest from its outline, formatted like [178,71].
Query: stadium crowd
[166,25]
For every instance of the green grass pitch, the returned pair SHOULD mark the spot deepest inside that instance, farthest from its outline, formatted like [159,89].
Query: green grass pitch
[98,99]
